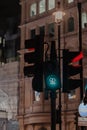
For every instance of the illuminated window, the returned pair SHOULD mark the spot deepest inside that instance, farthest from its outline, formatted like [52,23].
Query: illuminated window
[72,94]
[70,1]
[42,7]
[51,4]
[37,96]
[33,9]
[84,19]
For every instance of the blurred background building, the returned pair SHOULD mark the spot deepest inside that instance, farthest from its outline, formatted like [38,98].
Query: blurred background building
[9,63]
[37,18]
[18,100]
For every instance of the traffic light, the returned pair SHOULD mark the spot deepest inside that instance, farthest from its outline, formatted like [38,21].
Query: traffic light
[34,59]
[71,67]
[29,57]
[37,82]
[51,72]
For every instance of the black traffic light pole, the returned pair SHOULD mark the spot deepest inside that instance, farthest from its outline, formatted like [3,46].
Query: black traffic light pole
[53,110]
[60,126]
[80,49]
[80,45]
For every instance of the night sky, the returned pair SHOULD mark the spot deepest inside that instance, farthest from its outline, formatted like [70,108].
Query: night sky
[9,8]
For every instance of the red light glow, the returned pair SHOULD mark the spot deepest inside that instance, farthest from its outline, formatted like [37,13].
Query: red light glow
[31,49]
[78,57]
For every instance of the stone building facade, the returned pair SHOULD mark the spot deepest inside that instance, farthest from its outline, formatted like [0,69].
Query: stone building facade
[9,71]
[36,17]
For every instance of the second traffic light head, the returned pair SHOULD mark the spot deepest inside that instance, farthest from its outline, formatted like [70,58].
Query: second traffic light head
[51,70]
[71,69]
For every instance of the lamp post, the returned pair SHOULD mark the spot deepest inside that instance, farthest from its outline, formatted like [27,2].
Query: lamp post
[58,19]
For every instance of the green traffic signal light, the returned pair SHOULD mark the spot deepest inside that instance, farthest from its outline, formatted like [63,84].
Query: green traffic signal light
[51,74]
[52,82]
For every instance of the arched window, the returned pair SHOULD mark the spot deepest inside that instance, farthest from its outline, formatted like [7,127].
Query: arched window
[70,24]
[42,6]
[33,9]
[51,4]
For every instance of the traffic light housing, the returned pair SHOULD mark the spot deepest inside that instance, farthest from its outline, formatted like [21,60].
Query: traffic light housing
[51,72]
[37,82]
[29,57]
[34,59]
[71,67]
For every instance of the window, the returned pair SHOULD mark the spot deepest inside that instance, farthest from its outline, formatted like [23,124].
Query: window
[32,33]
[51,4]
[42,30]
[70,24]
[72,95]
[42,7]
[70,1]
[84,19]
[2,51]
[37,96]
[33,9]
[51,29]
[10,48]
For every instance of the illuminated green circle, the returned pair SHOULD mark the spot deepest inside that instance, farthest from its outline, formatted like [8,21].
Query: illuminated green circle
[85,87]
[52,82]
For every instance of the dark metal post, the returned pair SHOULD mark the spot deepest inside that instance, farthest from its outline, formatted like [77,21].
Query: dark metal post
[80,45]
[80,49]
[60,126]
[53,110]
